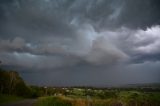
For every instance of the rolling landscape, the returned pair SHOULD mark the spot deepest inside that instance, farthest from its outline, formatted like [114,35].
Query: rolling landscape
[79,52]
[13,89]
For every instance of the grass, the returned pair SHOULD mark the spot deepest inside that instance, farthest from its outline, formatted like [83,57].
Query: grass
[135,98]
[52,101]
[9,98]
[123,98]
[65,101]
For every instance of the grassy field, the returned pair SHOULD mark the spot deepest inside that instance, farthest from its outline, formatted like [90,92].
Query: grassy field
[122,98]
[9,98]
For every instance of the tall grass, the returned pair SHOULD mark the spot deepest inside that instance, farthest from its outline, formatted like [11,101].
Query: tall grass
[63,101]
[52,101]
[126,98]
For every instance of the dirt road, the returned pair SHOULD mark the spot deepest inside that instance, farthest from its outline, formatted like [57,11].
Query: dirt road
[29,102]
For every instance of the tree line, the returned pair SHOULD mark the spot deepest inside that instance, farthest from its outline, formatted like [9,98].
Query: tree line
[12,84]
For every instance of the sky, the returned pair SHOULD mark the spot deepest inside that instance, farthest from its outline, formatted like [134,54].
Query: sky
[81,42]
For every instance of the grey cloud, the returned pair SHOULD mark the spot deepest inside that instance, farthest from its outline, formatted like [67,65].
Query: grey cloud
[108,47]
[139,13]
[76,35]
[103,52]
[36,62]
[145,44]
[92,49]
[147,72]
[148,40]
[138,44]
[16,44]
[35,18]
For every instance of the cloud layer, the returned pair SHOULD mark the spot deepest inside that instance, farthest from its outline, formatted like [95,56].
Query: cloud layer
[81,35]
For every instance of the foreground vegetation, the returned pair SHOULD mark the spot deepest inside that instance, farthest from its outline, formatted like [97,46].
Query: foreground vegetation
[121,98]
[9,98]
[13,88]
[12,84]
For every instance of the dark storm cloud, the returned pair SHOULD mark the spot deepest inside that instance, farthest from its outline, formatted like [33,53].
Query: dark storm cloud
[147,72]
[140,13]
[81,35]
